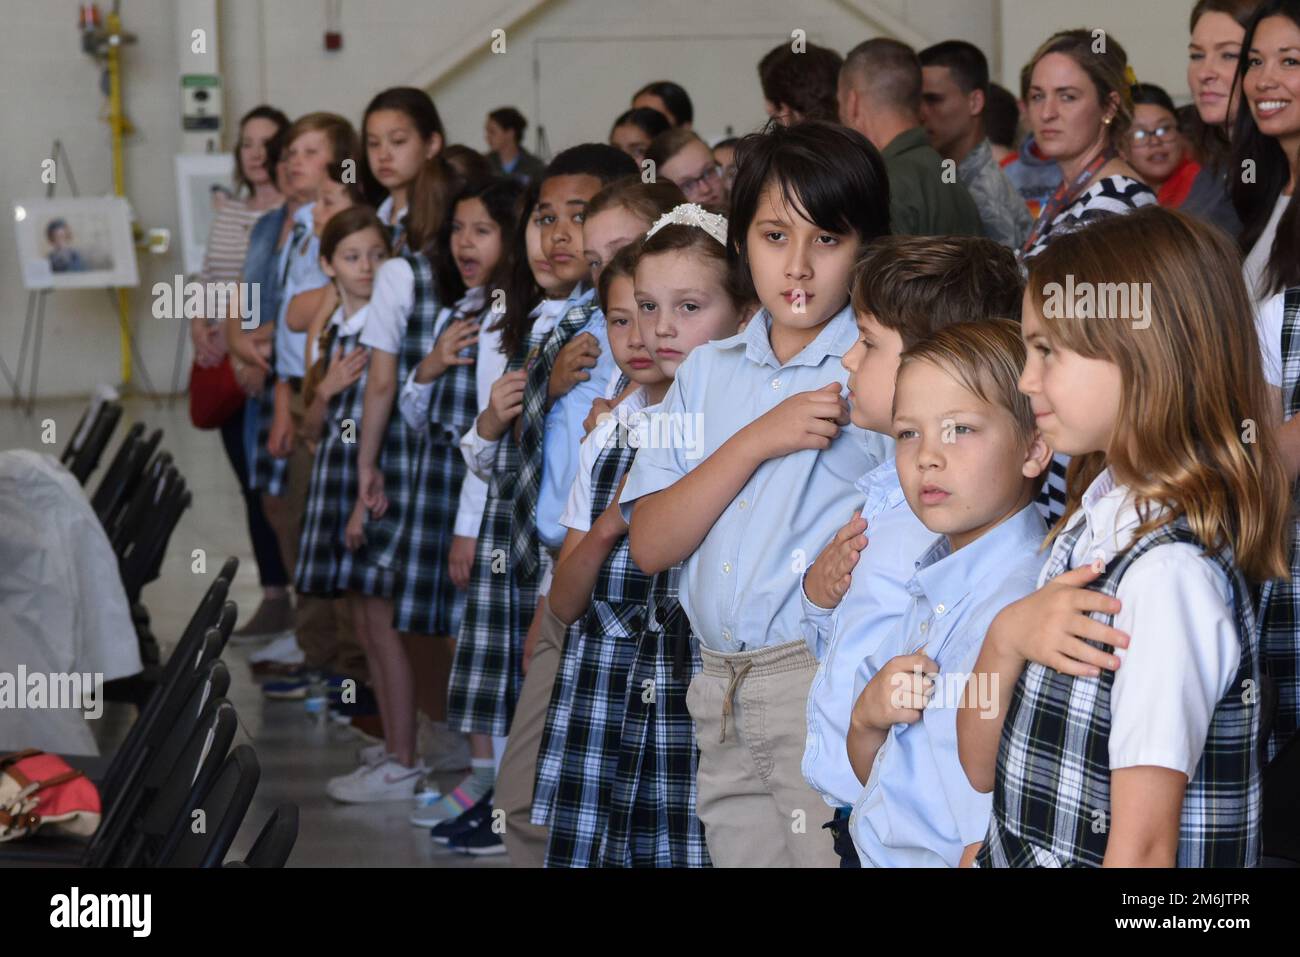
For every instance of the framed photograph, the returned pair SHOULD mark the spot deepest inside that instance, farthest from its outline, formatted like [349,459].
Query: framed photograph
[75,243]
[203,182]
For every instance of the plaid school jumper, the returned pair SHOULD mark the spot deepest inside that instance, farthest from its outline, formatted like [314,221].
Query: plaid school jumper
[399,454]
[550,752]
[487,670]
[602,654]
[652,819]
[325,566]
[426,602]
[1279,600]
[1051,793]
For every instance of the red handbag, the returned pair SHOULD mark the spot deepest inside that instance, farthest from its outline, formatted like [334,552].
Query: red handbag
[214,394]
[38,788]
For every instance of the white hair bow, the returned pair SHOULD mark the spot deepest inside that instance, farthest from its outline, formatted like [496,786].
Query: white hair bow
[692,214]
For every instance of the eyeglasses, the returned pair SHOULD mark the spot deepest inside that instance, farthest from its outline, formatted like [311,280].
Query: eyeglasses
[1141,137]
[689,186]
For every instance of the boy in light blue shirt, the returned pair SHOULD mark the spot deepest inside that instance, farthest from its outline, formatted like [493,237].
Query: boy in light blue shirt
[766,463]
[970,462]
[905,288]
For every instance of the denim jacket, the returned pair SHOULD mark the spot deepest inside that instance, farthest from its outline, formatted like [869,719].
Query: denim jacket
[260,264]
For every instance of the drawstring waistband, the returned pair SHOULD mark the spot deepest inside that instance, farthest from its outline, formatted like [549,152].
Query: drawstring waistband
[737,676]
[771,660]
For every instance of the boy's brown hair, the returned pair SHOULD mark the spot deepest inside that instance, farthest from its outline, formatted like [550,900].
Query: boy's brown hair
[338,131]
[986,358]
[916,285]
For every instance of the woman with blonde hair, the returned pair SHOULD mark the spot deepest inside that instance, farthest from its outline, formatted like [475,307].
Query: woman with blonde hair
[1079,105]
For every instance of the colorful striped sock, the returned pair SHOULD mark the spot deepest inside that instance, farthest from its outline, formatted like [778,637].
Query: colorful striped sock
[470,791]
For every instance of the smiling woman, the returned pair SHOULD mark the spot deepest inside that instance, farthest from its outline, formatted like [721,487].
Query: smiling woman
[1267,135]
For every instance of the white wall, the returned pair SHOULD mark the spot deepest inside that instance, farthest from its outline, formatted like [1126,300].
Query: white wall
[1153,32]
[589,56]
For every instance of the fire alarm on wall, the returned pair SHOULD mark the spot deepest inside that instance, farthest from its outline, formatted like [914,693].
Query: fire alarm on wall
[334,24]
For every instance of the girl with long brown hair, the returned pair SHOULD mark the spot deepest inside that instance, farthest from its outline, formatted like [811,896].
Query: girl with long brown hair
[1130,738]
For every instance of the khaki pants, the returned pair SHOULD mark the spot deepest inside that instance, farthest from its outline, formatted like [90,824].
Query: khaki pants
[323,626]
[526,842]
[750,723]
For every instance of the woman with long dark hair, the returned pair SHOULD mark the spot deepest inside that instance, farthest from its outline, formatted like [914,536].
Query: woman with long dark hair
[1266,141]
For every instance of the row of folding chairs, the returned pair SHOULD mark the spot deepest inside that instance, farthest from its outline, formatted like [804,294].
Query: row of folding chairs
[139,500]
[176,793]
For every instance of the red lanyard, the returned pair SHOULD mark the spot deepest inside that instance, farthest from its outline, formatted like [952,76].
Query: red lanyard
[1065,196]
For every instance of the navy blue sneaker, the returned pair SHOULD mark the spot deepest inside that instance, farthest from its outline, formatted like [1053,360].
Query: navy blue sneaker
[482,840]
[470,819]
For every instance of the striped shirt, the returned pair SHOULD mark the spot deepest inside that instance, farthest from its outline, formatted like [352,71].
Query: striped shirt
[223,259]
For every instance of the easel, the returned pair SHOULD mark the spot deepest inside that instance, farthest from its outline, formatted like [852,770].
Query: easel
[35,320]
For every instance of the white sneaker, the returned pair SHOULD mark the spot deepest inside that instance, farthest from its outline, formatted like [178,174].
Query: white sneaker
[283,650]
[371,754]
[387,781]
[339,780]
[442,748]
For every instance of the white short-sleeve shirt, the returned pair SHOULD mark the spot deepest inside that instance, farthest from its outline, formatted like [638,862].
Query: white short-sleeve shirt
[1177,608]
[577,510]
[391,303]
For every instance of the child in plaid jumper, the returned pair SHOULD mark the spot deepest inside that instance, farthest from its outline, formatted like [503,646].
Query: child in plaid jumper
[616,216]
[333,558]
[1126,730]
[487,671]
[666,295]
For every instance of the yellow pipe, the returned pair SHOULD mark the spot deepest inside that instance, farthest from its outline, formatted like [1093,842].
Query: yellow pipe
[117,125]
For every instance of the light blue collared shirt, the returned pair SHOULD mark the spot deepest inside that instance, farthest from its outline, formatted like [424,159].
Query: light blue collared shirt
[873,605]
[304,273]
[917,808]
[740,589]
[564,430]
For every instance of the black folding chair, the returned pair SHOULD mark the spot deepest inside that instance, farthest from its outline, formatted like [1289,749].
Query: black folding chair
[89,440]
[110,486]
[190,780]
[142,539]
[70,450]
[275,842]
[127,523]
[204,838]
[213,613]
[181,500]
[155,764]
[119,495]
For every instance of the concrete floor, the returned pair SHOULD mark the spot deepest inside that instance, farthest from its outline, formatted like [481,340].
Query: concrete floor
[296,755]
